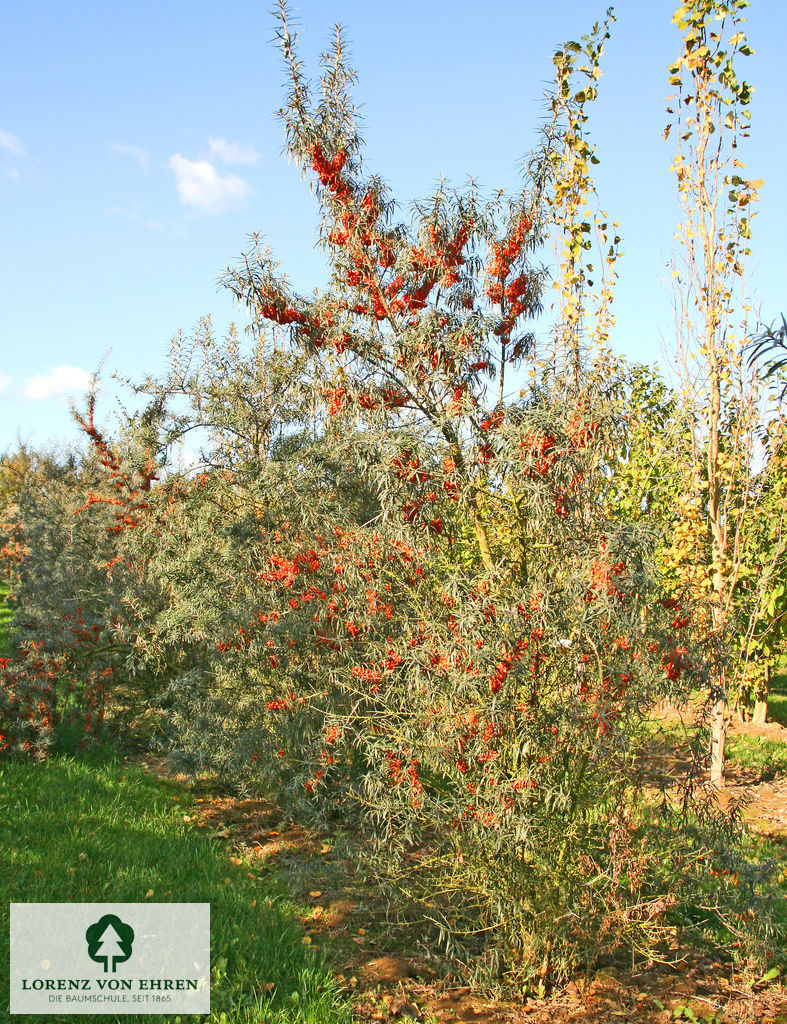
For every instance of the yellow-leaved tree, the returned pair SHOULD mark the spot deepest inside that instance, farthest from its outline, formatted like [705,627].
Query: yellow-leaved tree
[724,468]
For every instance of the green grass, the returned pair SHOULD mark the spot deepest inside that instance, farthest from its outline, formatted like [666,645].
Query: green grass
[760,753]
[74,831]
[777,699]
[6,615]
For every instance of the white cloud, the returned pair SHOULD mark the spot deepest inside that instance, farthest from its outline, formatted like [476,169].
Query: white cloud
[137,152]
[60,382]
[232,152]
[134,214]
[10,142]
[200,184]
[4,382]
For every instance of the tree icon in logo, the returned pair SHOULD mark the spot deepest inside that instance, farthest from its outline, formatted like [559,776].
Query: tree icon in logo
[109,941]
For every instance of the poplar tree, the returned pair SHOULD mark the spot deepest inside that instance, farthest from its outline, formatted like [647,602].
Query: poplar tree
[724,491]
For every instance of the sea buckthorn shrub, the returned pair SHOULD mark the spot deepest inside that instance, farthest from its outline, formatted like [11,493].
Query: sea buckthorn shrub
[401,592]
[68,579]
[396,592]
[27,700]
[479,731]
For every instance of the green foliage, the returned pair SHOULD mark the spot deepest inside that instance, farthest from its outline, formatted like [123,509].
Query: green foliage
[109,832]
[14,469]
[763,588]
[6,619]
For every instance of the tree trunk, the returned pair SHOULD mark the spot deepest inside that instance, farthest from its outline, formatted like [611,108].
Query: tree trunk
[718,733]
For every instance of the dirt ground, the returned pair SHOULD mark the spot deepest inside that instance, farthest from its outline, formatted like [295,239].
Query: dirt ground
[764,799]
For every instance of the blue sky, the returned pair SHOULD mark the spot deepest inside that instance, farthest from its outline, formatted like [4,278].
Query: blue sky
[139,149]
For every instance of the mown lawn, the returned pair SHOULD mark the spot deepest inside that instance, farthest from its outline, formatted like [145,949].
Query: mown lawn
[73,831]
